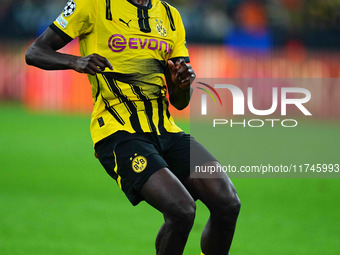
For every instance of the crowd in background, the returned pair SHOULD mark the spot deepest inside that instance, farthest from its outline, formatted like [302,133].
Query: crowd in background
[226,38]
[265,22]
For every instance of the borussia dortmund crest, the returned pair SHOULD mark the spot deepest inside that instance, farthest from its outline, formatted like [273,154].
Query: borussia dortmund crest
[139,163]
[161,28]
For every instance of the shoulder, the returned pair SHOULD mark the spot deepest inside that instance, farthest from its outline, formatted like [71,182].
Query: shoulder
[169,7]
[82,3]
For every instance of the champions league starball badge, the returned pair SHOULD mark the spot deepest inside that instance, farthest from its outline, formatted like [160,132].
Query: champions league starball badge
[69,8]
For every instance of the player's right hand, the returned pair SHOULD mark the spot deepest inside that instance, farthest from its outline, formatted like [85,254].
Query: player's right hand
[91,64]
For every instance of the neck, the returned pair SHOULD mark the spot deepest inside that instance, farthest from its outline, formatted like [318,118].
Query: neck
[141,2]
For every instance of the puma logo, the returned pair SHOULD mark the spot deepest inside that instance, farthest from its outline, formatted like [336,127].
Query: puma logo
[125,22]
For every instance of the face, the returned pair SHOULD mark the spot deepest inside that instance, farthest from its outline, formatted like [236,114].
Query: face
[141,2]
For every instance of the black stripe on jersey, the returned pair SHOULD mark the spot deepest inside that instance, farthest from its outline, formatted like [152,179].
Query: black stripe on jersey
[133,78]
[113,112]
[161,127]
[130,106]
[143,20]
[168,12]
[146,20]
[110,88]
[108,10]
[61,33]
[167,109]
[148,106]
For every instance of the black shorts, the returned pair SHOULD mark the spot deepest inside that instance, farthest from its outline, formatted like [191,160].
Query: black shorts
[131,159]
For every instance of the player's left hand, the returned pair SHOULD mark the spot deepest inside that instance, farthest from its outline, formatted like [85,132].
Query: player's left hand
[182,73]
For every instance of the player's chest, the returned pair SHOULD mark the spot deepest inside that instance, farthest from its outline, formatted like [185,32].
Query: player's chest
[136,31]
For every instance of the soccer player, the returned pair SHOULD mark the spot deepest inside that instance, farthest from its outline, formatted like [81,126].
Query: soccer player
[133,52]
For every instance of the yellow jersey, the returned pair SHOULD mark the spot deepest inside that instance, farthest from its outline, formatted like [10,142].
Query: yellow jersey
[137,41]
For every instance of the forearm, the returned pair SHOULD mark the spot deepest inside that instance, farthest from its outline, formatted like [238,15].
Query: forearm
[179,77]
[179,97]
[48,59]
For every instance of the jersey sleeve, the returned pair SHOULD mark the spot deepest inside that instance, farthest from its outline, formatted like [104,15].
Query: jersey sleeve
[180,48]
[77,18]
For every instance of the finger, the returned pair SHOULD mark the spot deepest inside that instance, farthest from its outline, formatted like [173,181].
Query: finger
[108,64]
[94,68]
[100,64]
[184,80]
[172,67]
[103,60]
[193,76]
[188,81]
[179,63]
[185,71]
[89,71]
[190,78]
[182,72]
[184,67]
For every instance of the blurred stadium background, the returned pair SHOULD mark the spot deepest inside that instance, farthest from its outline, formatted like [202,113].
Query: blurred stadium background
[55,198]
